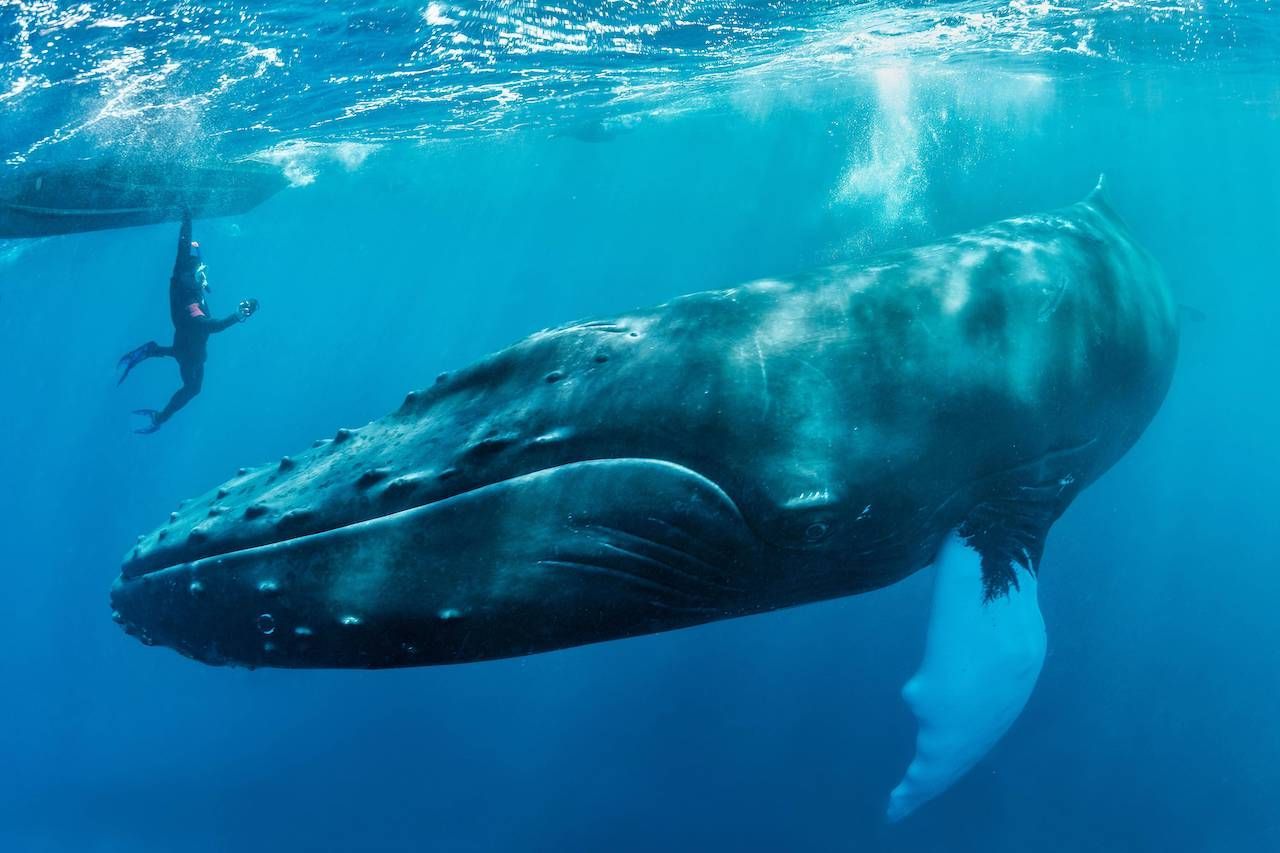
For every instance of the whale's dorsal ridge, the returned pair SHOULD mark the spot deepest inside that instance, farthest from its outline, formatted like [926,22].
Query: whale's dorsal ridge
[1101,190]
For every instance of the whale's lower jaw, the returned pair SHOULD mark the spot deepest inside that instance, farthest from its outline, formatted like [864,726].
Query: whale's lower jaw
[575,554]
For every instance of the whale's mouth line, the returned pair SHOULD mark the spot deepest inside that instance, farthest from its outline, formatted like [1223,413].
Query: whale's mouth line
[286,541]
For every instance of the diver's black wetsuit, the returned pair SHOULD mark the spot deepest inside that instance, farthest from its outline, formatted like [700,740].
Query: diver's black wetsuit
[192,327]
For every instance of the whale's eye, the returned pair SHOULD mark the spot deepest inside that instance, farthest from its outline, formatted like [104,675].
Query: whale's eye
[817,531]
[809,521]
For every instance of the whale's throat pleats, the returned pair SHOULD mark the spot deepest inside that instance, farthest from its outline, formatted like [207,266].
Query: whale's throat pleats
[982,657]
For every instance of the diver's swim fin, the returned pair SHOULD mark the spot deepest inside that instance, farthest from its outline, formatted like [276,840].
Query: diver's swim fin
[131,359]
[153,416]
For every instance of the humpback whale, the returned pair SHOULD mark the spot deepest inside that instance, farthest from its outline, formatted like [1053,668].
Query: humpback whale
[77,197]
[725,454]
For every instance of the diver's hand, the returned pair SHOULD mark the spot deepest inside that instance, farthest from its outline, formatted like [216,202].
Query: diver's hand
[247,309]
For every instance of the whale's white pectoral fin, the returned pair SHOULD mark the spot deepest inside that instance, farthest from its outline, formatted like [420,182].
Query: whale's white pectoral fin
[981,662]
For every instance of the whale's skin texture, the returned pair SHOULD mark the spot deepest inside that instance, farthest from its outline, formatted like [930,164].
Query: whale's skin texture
[725,454]
[76,197]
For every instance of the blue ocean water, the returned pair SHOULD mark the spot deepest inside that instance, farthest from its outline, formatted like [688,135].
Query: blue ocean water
[466,173]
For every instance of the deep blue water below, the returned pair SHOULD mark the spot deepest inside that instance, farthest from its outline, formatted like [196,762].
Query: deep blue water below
[1155,725]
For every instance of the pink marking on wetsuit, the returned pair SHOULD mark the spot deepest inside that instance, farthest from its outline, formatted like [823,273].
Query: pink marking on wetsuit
[194,310]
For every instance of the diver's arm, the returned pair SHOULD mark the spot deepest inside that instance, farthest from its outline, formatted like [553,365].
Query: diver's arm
[243,312]
[195,318]
[225,323]
[183,260]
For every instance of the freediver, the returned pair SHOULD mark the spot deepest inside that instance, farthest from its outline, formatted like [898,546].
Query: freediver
[192,327]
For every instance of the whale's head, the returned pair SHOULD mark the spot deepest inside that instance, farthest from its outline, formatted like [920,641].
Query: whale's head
[508,509]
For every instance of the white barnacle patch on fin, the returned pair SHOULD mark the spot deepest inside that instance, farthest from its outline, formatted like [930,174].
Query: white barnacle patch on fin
[981,661]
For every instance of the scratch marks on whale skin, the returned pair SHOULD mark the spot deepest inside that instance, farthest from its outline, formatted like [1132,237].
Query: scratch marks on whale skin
[630,578]
[766,402]
[606,326]
[1053,300]
[660,556]
[806,500]
[669,598]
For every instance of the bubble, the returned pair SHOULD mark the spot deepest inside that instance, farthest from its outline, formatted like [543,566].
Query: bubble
[267,623]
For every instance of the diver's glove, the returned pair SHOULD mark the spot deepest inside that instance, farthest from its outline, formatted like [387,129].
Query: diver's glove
[247,309]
